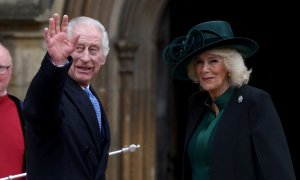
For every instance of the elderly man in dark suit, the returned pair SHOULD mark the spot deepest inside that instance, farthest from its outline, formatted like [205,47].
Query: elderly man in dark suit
[67,135]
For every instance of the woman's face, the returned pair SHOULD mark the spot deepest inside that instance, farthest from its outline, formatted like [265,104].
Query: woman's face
[211,73]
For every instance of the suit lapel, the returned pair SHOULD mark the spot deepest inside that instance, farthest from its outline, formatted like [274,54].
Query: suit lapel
[85,107]
[105,127]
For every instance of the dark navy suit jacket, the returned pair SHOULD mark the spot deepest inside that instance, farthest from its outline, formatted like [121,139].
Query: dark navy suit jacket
[62,136]
[248,142]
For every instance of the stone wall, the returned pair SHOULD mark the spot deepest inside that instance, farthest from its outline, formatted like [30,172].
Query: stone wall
[21,30]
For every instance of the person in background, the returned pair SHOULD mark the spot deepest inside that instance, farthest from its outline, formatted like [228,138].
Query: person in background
[12,145]
[67,134]
[233,129]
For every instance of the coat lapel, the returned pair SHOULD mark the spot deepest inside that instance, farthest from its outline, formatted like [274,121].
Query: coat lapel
[227,130]
[105,127]
[197,110]
[85,107]
[232,113]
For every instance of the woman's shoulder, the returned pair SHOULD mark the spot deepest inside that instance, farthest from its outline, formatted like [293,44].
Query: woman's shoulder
[198,98]
[252,90]
[254,93]
[16,100]
[199,95]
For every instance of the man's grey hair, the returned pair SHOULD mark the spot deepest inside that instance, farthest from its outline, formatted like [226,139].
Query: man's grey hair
[88,20]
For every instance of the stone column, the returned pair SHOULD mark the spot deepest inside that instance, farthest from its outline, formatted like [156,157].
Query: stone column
[126,51]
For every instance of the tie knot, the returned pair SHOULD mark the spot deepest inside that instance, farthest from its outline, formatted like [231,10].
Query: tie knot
[88,91]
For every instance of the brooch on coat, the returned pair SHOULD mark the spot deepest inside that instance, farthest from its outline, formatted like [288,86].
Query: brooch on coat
[240,99]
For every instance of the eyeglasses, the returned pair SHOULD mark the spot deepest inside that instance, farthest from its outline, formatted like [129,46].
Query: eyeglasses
[3,69]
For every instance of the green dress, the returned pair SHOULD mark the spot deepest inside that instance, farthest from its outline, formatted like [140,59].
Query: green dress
[199,145]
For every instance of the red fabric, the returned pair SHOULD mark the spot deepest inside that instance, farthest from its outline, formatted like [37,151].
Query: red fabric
[11,139]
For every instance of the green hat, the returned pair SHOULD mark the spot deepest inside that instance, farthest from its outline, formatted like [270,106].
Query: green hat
[200,38]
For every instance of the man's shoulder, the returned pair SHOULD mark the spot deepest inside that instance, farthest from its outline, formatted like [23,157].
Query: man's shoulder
[16,100]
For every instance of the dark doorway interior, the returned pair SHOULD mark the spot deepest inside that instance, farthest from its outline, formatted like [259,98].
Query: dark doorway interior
[274,66]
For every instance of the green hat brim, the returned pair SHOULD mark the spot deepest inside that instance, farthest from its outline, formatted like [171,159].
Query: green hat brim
[245,46]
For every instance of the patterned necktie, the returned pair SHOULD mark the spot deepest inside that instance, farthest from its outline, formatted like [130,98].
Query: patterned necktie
[95,104]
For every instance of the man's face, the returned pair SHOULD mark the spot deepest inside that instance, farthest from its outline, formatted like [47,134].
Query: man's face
[88,56]
[5,69]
